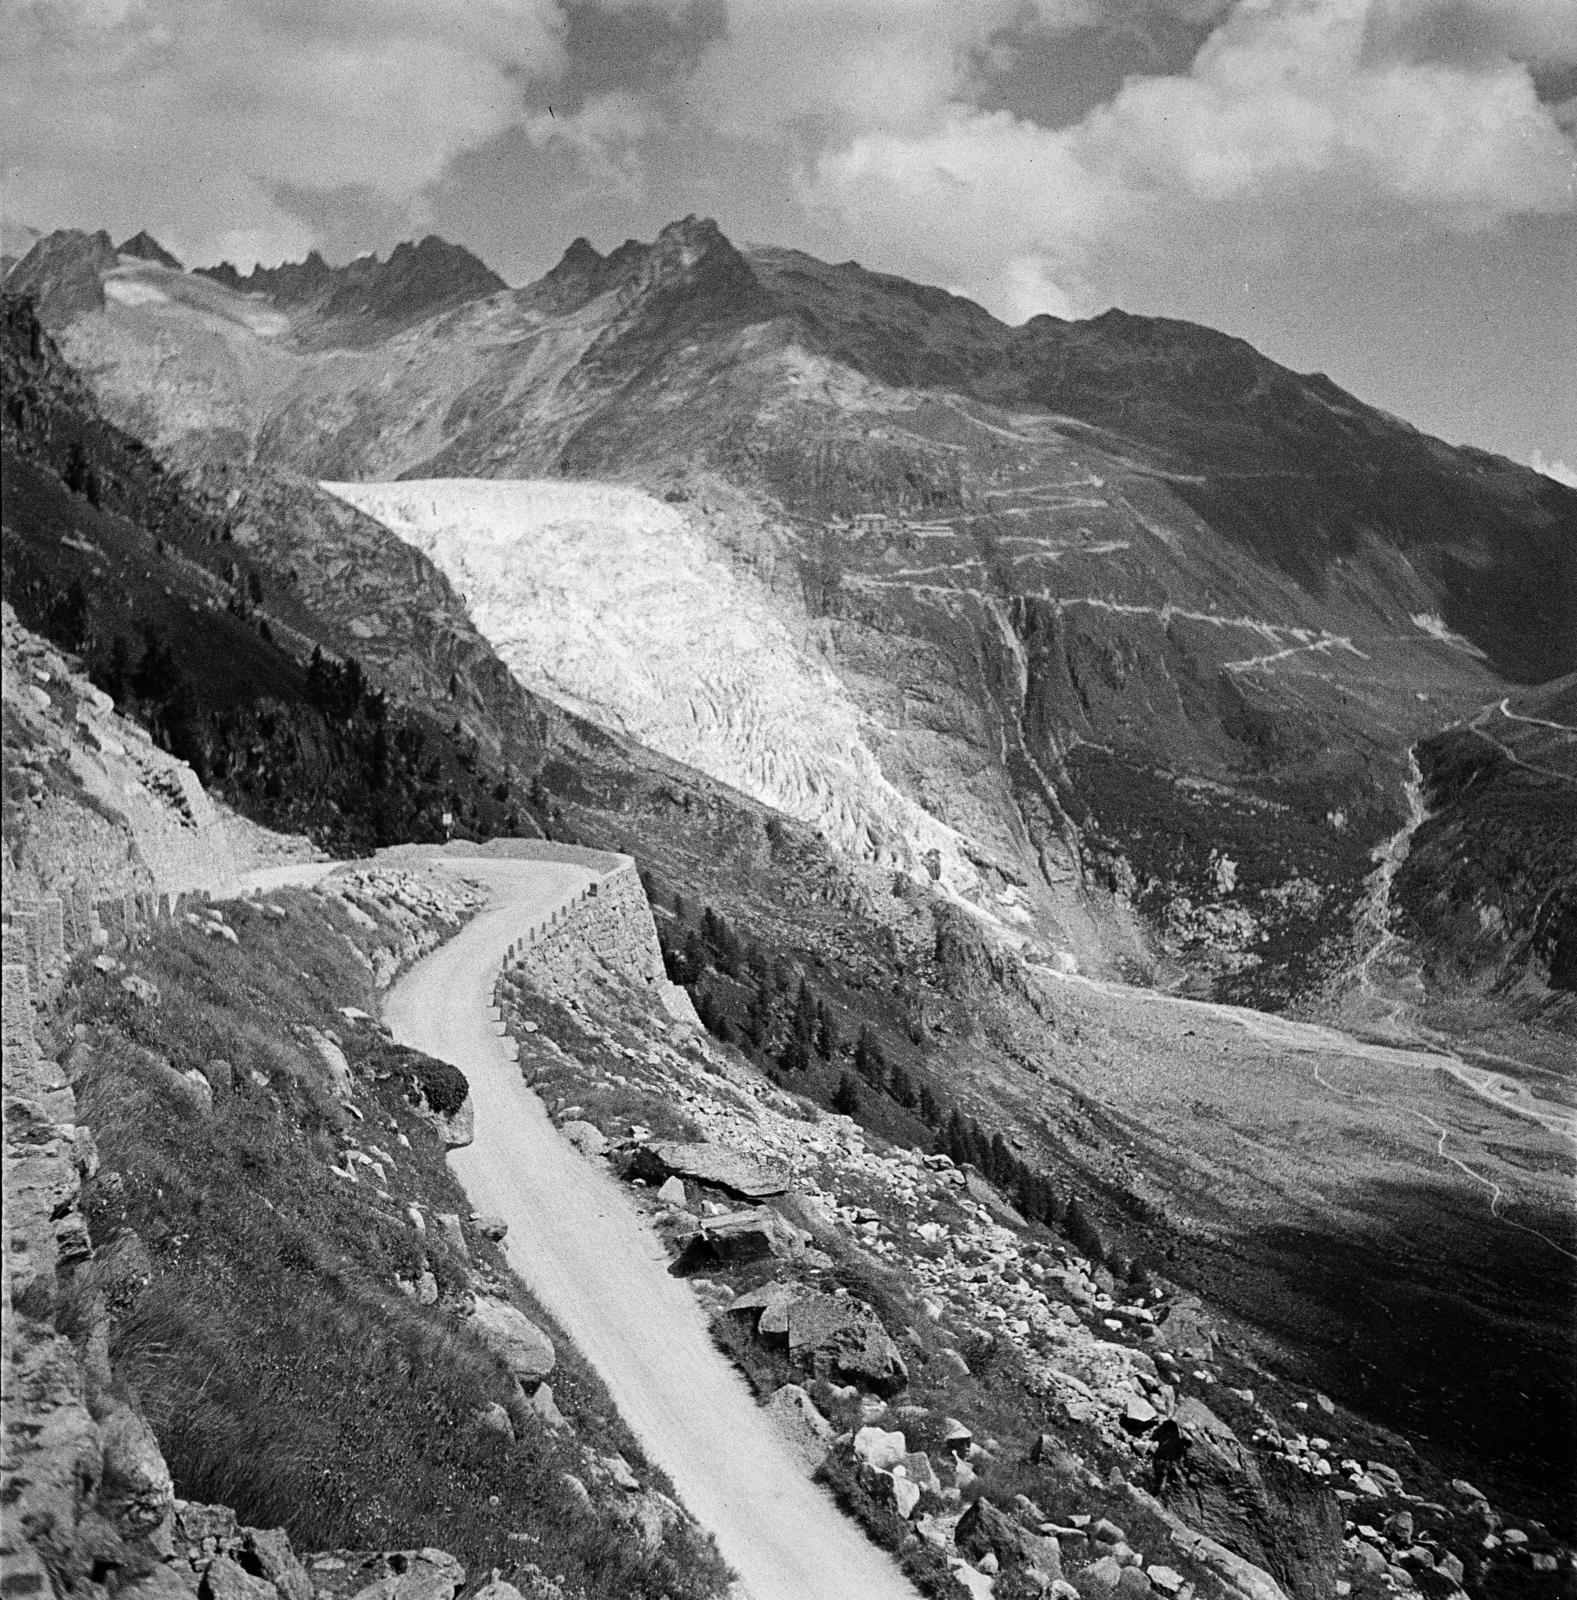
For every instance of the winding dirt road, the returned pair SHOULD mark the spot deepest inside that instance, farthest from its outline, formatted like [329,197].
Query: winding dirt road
[596,1265]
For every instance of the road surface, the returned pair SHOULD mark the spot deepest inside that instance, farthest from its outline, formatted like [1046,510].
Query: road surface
[597,1266]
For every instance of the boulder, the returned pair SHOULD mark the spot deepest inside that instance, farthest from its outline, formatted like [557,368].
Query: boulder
[896,1491]
[425,1574]
[334,1062]
[880,1449]
[458,1129]
[544,1405]
[229,1580]
[587,1137]
[799,1419]
[1264,1510]
[526,1349]
[957,1438]
[844,1339]
[136,1490]
[495,1419]
[985,1528]
[917,1464]
[769,1305]
[1399,1527]
[1100,1579]
[194,1525]
[164,1582]
[201,1087]
[738,1237]
[1139,1416]
[1370,1558]
[945,1366]
[1047,1451]
[671,1192]
[491,1227]
[1186,1331]
[452,1234]
[1241,1578]
[268,1550]
[707,1163]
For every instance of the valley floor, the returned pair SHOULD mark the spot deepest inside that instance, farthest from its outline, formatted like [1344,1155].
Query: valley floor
[578,1241]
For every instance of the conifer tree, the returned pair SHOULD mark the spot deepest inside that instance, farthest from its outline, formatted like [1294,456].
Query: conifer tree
[930,1107]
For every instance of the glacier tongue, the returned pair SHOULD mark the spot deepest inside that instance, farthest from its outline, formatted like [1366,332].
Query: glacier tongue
[610,601]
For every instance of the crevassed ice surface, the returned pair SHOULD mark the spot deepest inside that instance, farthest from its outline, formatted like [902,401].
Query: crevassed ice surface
[606,599]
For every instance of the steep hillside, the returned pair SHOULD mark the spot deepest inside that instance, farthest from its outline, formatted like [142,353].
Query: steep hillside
[234,1320]
[1133,744]
[217,644]
[1064,579]
[1487,892]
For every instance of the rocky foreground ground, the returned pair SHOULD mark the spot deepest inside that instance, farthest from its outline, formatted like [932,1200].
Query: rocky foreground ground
[995,1407]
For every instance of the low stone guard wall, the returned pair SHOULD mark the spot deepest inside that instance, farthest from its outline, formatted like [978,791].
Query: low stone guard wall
[607,926]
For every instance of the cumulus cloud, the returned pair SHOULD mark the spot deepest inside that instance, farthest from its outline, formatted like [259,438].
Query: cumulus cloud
[1472,30]
[194,116]
[1288,113]
[834,67]
[606,136]
[1558,470]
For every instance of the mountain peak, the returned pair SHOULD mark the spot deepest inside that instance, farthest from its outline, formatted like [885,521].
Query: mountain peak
[144,247]
[64,272]
[694,260]
[418,280]
[688,249]
[582,252]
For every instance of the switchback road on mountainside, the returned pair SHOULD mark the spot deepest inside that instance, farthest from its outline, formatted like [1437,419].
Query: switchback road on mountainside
[588,1255]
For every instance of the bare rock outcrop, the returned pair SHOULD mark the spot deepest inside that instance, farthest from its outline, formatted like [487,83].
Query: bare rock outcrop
[1258,1506]
[511,1334]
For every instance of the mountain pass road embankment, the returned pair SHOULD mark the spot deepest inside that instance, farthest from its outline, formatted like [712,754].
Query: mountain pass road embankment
[594,1262]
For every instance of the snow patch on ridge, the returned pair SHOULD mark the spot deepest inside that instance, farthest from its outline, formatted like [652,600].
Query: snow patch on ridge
[1435,627]
[608,600]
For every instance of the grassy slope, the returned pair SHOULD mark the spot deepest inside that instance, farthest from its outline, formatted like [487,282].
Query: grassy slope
[283,1371]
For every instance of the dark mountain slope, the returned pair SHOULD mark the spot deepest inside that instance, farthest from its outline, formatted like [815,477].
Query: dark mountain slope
[1489,888]
[1098,565]
[119,561]
[64,274]
[144,247]
[1035,664]
[1289,467]
[417,281]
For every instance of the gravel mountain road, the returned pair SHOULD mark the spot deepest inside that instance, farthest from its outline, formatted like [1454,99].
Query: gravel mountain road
[597,1266]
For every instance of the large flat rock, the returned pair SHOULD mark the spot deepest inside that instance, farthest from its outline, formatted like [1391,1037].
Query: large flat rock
[709,1163]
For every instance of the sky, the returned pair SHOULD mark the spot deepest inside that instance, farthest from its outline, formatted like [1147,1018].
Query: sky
[1382,190]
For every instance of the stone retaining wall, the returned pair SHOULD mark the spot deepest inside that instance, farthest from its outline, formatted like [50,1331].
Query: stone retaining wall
[606,927]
